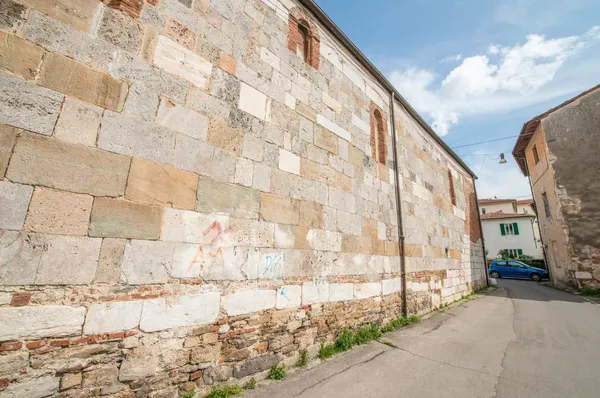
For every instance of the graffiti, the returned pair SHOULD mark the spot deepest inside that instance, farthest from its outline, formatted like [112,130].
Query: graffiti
[283,292]
[271,262]
[211,255]
[216,227]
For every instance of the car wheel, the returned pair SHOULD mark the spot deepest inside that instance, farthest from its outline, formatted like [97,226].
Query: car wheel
[495,274]
[536,277]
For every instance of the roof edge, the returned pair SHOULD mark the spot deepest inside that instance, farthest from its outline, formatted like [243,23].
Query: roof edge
[341,36]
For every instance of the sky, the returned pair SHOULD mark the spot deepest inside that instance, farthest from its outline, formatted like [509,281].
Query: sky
[477,70]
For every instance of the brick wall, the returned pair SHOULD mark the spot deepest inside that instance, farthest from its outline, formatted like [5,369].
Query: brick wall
[184,200]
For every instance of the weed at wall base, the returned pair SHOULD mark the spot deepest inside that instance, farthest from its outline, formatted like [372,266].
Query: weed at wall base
[224,391]
[250,384]
[277,372]
[302,359]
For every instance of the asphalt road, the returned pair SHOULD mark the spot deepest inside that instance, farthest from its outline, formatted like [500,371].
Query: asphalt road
[522,340]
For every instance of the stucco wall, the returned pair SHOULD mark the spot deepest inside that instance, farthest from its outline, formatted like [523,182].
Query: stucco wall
[505,207]
[495,241]
[183,200]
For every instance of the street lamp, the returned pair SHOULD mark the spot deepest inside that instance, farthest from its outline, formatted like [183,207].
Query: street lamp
[502,160]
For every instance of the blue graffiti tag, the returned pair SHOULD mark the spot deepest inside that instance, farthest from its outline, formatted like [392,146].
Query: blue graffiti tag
[271,261]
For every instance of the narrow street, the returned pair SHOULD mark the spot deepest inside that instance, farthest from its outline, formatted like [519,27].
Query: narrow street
[521,340]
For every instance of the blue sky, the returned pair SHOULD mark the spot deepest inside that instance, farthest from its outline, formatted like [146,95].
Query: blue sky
[477,70]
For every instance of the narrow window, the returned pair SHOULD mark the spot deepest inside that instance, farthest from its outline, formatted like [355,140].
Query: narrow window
[380,138]
[452,193]
[483,210]
[303,45]
[546,204]
[536,157]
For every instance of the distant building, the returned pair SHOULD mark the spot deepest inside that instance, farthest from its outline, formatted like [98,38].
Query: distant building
[510,225]
[560,152]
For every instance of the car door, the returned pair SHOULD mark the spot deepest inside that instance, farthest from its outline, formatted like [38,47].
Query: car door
[518,270]
[503,268]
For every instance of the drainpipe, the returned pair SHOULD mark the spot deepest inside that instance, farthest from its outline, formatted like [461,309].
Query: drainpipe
[399,209]
[485,265]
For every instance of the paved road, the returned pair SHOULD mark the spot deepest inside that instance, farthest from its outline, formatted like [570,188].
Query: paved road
[522,340]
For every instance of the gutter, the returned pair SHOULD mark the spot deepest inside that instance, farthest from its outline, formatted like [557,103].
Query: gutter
[364,61]
[398,209]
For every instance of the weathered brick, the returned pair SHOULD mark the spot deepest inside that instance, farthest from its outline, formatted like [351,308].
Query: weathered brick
[54,212]
[120,30]
[8,136]
[82,82]
[217,197]
[222,135]
[154,183]
[279,209]
[78,123]
[109,262]
[115,218]
[13,15]
[78,14]
[49,162]
[14,201]
[19,56]
[20,299]
[28,106]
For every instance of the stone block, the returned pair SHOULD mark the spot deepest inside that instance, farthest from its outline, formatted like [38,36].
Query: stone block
[350,224]
[183,120]
[155,79]
[100,376]
[193,155]
[112,317]
[311,214]
[284,236]
[217,197]
[68,260]
[82,82]
[356,244]
[289,162]
[28,106]
[315,292]
[209,262]
[180,34]
[244,170]
[179,61]
[20,255]
[141,102]
[40,321]
[253,148]
[143,361]
[223,166]
[8,136]
[123,134]
[39,387]
[222,135]
[109,262]
[59,213]
[248,302]
[194,310]
[208,353]
[69,380]
[262,177]
[253,102]
[225,87]
[227,63]
[341,291]
[301,238]
[146,262]
[78,123]
[255,365]
[70,12]
[114,218]
[279,209]
[326,140]
[43,161]
[249,233]
[19,56]
[390,286]
[205,103]
[155,183]
[320,239]
[14,201]
[13,15]
[193,227]
[289,296]
[119,30]
[365,290]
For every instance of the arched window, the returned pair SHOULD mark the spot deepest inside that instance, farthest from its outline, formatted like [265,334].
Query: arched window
[303,45]
[378,135]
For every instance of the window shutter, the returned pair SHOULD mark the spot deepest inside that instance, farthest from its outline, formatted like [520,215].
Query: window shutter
[520,252]
[516,228]
[502,230]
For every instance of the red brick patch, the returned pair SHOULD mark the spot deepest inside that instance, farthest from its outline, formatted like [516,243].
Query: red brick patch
[297,42]
[4,383]
[11,346]
[32,345]
[20,299]
[133,8]
[196,375]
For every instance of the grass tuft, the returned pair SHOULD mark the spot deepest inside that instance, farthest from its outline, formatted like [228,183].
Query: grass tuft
[189,394]
[590,292]
[327,351]
[224,391]
[250,384]
[277,372]
[302,359]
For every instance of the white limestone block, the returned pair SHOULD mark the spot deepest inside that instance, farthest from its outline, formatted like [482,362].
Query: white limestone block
[315,292]
[290,101]
[289,296]
[182,119]
[289,162]
[196,310]
[248,302]
[353,74]
[331,55]
[331,102]
[391,286]
[31,322]
[320,239]
[381,231]
[341,291]
[190,226]
[270,58]
[178,60]
[361,124]
[253,101]
[583,275]
[112,317]
[365,290]
[334,128]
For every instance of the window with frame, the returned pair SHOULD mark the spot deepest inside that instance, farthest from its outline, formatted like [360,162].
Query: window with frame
[546,204]
[483,210]
[536,156]
[303,45]
[379,132]
[509,229]
[303,37]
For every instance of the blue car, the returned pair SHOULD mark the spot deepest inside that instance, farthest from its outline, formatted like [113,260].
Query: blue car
[516,269]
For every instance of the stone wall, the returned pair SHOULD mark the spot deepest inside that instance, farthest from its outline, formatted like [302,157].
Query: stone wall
[185,200]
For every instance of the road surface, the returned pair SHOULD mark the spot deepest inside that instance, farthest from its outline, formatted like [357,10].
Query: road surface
[522,340]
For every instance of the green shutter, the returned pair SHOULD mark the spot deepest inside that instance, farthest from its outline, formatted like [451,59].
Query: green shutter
[516,228]
[520,252]
[502,231]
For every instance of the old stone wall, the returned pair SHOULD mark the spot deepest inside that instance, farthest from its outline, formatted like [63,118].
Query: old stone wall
[184,199]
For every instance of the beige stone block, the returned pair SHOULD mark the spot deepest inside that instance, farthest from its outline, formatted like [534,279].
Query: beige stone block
[311,214]
[309,169]
[59,213]
[306,111]
[77,13]
[411,250]
[109,262]
[221,135]
[279,209]
[356,244]
[78,123]
[355,156]
[52,163]
[391,248]
[369,228]
[227,63]
[378,247]
[8,136]
[218,197]
[155,183]
[72,78]
[115,218]
[19,56]
[326,140]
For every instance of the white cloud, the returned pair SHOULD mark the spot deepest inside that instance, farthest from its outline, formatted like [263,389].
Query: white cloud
[519,76]
[451,58]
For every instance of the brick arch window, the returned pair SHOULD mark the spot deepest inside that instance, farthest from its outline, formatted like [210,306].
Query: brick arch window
[303,37]
[378,134]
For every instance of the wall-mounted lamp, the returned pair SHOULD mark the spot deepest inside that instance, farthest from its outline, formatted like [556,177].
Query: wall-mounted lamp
[502,160]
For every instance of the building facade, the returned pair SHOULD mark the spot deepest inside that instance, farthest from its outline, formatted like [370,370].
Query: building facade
[193,191]
[558,150]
